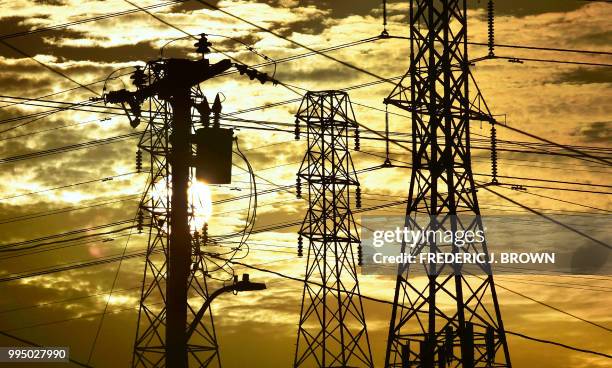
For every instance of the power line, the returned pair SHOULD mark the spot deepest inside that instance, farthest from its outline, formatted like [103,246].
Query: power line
[566,201]
[36,215]
[585,63]
[391,303]
[28,342]
[585,235]
[102,179]
[48,67]
[115,278]
[526,47]
[72,147]
[349,65]
[61,235]
[87,20]
[552,307]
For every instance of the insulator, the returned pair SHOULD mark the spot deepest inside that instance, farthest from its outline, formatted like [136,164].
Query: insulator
[140,221]
[139,160]
[196,237]
[491,27]
[387,162]
[493,154]
[205,233]
[138,77]
[262,77]
[298,187]
[357,142]
[252,73]
[297,129]
[359,255]
[242,68]
[300,251]
[358,197]
[202,46]
[216,111]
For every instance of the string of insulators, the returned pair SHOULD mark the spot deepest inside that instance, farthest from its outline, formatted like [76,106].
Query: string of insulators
[138,77]
[300,248]
[491,30]
[139,160]
[384,32]
[359,255]
[254,74]
[357,141]
[358,197]
[197,239]
[387,160]
[298,187]
[205,233]
[140,221]
[297,129]
[493,153]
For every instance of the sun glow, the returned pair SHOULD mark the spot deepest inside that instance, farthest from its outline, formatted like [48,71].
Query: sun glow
[200,202]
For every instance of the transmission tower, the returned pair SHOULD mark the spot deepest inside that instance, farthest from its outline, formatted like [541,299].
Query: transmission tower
[452,319]
[167,133]
[175,323]
[332,328]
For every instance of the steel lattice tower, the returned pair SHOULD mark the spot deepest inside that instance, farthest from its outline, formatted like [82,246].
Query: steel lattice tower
[332,328]
[454,320]
[170,119]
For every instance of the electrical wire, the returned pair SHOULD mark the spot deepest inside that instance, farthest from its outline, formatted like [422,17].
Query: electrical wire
[279,274]
[47,66]
[103,179]
[115,278]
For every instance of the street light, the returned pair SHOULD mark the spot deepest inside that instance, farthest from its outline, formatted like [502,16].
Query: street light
[243,285]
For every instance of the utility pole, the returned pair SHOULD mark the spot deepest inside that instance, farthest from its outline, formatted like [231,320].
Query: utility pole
[455,319]
[332,328]
[171,332]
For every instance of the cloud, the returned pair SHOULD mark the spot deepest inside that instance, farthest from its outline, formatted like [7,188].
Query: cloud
[597,131]
[560,102]
[585,76]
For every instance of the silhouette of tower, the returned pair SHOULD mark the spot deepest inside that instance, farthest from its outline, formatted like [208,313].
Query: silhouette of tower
[332,328]
[451,318]
[175,325]
[168,127]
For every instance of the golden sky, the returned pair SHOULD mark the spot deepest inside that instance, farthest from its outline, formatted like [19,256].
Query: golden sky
[569,104]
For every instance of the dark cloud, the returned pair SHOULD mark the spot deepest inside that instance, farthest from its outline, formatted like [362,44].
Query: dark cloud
[522,8]
[31,44]
[336,9]
[596,132]
[47,43]
[190,6]
[311,26]
[51,2]
[597,38]
[584,76]
[331,73]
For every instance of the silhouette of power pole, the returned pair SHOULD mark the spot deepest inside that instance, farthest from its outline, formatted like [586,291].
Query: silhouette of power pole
[173,332]
[332,328]
[454,320]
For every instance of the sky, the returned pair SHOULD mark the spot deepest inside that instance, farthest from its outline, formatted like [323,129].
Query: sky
[565,103]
